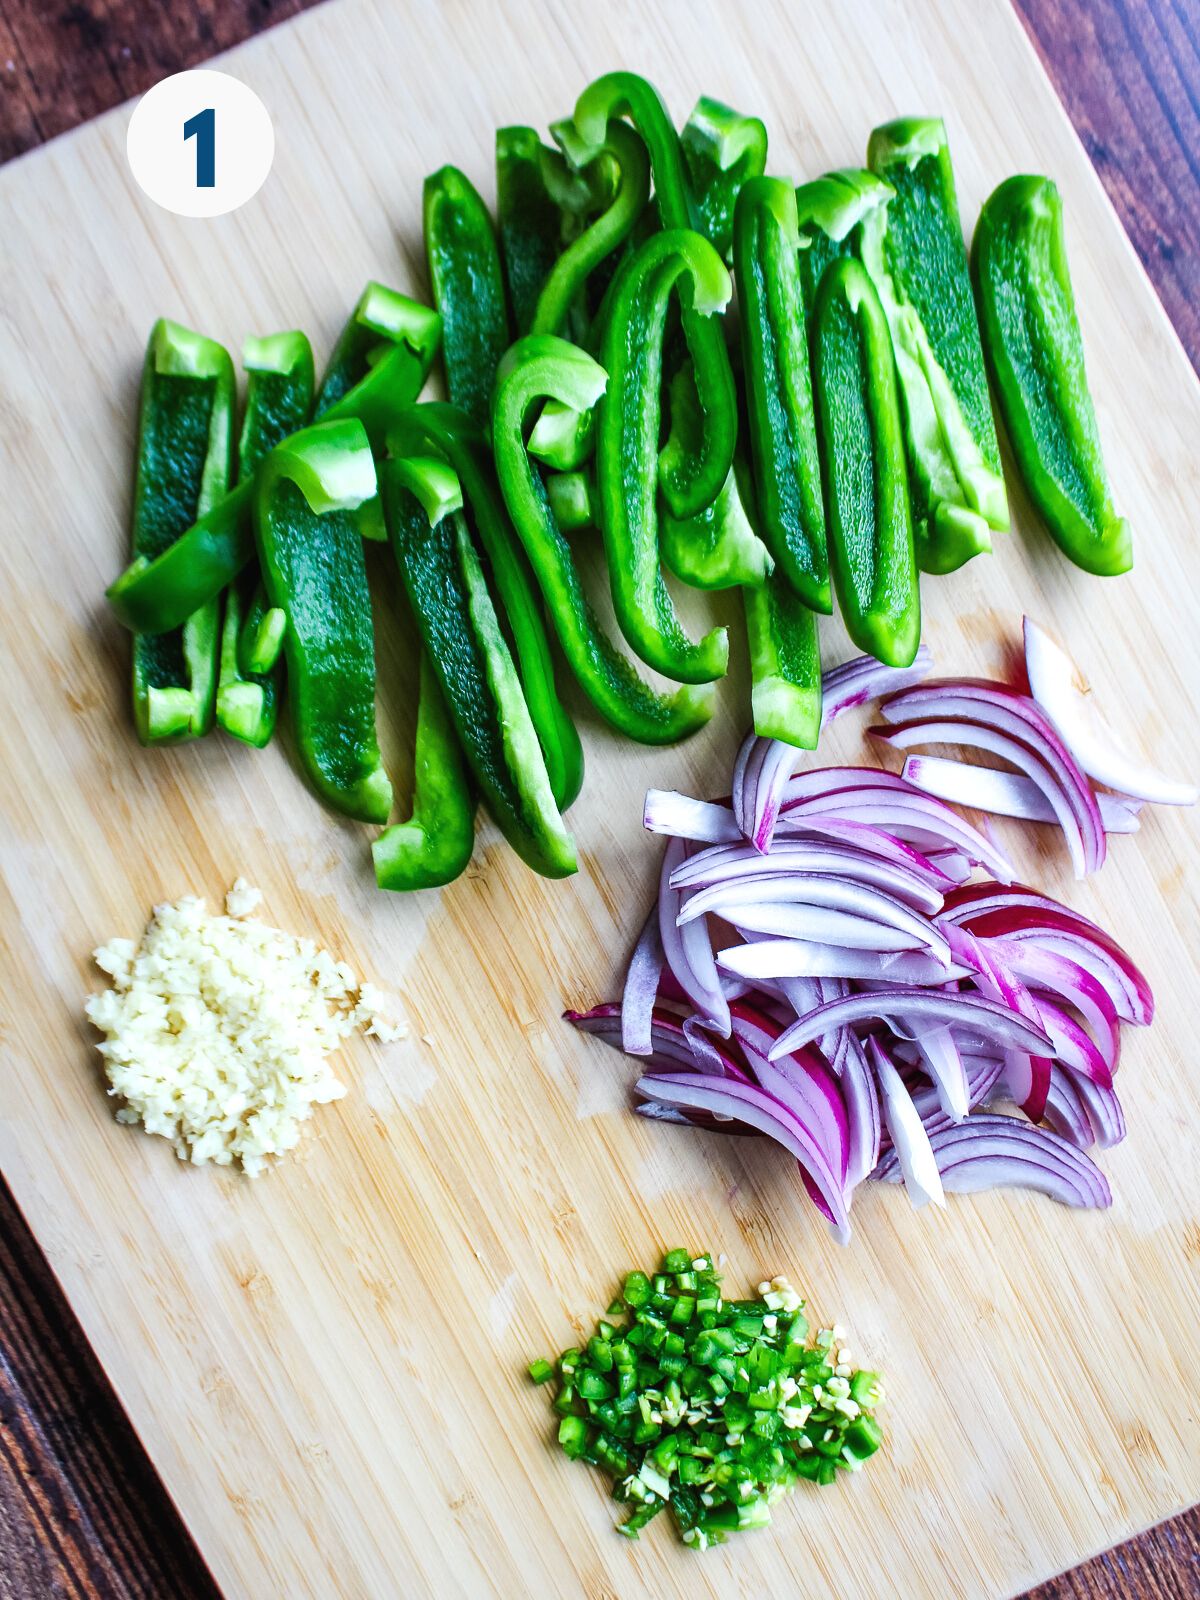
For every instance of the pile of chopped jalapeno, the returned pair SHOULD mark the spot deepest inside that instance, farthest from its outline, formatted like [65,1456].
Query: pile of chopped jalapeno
[712,1407]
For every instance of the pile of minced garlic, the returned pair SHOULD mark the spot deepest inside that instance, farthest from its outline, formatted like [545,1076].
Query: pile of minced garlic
[218,1029]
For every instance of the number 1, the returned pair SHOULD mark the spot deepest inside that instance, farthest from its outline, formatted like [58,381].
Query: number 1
[204,126]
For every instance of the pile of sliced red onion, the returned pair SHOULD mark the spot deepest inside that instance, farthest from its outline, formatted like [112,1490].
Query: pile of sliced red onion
[818,968]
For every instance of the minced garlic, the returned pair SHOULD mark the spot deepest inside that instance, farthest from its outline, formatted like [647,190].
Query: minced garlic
[218,1029]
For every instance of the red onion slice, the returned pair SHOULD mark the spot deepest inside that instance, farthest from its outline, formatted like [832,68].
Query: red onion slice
[1046,969]
[727,863]
[753,1106]
[1060,691]
[1072,1044]
[671,1048]
[911,1149]
[913,816]
[641,988]
[801,958]
[856,682]
[817,923]
[942,1062]
[1027,1074]
[1066,1112]
[863,1125]
[758,786]
[688,949]
[678,815]
[994,1152]
[1103,1109]
[802,1082]
[973,1014]
[1006,794]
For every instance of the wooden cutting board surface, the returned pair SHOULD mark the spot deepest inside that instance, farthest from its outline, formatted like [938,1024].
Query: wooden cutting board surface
[326,1365]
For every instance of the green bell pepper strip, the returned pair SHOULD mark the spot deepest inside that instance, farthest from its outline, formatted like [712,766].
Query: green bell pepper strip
[260,643]
[184,463]
[627,432]
[783,433]
[785,664]
[866,481]
[468,289]
[279,393]
[690,481]
[443,429]
[466,649]
[1033,346]
[382,319]
[536,367]
[569,277]
[434,846]
[153,596]
[718,548]
[829,211]
[529,220]
[914,251]
[315,571]
[562,438]
[571,498]
[721,150]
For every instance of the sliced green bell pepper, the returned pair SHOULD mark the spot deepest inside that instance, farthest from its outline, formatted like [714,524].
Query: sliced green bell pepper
[538,367]
[721,149]
[569,276]
[787,476]
[1032,342]
[562,438]
[184,463]
[279,393]
[382,320]
[914,251]
[466,648]
[529,220]
[829,210]
[718,547]
[315,572]
[785,664]
[689,481]
[571,498]
[443,429]
[866,482]
[468,289]
[627,435]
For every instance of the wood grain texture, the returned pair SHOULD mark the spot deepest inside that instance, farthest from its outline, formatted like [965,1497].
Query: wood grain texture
[584,1285]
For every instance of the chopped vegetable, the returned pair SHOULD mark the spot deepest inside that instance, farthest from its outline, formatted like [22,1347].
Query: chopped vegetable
[468,289]
[711,1408]
[722,149]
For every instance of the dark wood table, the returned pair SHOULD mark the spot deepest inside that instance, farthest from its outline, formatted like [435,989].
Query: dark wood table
[81,1510]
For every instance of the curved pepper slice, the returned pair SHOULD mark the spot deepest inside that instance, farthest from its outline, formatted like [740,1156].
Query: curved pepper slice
[184,461]
[468,289]
[915,254]
[829,211]
[569,276]
[627,431]
[783,431]
[151,597]
[315,572]
[451,433]
[785,664]
[279,392]
[689,481]
[537,367]
[862,442]
[529,220]
[1032,342]
[721,149]
[467,651]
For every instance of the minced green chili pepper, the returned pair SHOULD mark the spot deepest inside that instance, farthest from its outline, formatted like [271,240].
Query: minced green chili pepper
[465,646]
[568,278]
[538,367]
[627,435]
[866,482]
[468,289]
[721,149]
[783,432]
[829,211]
[718,547]
[689,481]
[914,251]
[451,434]
[785,664]
[1032,342]
[315,571]
[384,353]
[279,393]
[184,462]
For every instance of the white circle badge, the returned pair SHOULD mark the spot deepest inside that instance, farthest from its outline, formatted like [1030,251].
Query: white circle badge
[200,143]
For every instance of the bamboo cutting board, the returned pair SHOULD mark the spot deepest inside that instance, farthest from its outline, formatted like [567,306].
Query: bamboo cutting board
[326,1365]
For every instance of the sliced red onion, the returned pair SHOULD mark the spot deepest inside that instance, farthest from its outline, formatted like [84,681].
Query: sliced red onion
[1058,687]
[753,1106]
[656,1111]
[861,1097]
[802,1082]
[1066,1112]
[1027,1074]
[688,949]
[818,923]
[1103,1110]
[942,1062]
[728,863]
[919,1008]
[910,815]
[801,958]
[991,717]
[856,682]
[671,1048]
[678,815]
[994,1152]
[1073,1045]
[641,988]
[956,866]
[1005,794]
[758,785]
[911,1149]
[1046,969]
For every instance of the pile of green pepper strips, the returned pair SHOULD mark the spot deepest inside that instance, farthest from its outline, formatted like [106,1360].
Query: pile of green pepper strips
[848,446]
